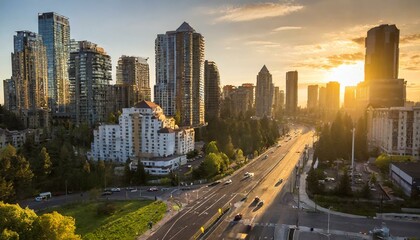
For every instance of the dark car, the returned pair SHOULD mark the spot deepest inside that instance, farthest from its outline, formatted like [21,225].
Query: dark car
[214,183]
[280,181]
[105,193]
[238,217]
[256,199]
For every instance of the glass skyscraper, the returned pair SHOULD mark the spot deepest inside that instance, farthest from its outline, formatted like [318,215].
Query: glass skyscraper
[27,89]
[55,32]
[90,75]
[179,88]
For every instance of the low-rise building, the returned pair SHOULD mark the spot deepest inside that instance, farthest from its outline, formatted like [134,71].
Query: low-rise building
[407,176]
[144,133]
[18,138]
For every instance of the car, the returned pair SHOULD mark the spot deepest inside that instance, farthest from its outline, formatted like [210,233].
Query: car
[229,181]
[115,190]
[256,199]
[129,188]
[249,174]
[105,193]
[238,217]
[153,189]
[39,199]
[280,181]
[260,203]
[133,190]
[185,188]
[214,183]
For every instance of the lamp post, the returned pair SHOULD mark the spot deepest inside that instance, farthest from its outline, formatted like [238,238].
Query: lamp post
[352,156]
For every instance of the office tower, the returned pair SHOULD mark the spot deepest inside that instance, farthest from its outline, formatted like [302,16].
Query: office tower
[291,91]
[211,90]
[90,74]
[179,88]
[55,32]
[29,80]
[333,97]
[382,87]
[382,53]
[264,93]
[312,97]
[250,88]
[350,97]
[134,71]
[240,101]
[322,98]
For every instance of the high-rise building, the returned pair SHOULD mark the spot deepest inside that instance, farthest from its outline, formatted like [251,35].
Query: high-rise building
[227,90]
[264,93]
[281,99]
[312,97]
[134,71]
[382,87]
[350,97]
[90,75]
[29,80]
[382,53]
[240,101]
[322,98]
[9,90]
[55,32]
[291,91]
[212,92]
[333,97]
[250,88]
[179,88]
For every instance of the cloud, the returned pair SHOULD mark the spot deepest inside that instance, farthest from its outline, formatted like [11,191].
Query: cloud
[285,28]
[410,38]
[256,11]
[332,61]
[359,40]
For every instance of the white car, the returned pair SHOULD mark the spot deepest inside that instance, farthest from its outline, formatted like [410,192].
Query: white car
[228,181]
[39,199]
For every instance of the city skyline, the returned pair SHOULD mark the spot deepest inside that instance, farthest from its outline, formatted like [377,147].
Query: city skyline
[240,36]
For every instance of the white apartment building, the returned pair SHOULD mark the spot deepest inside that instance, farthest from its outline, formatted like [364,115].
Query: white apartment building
[395,130]
[143,133]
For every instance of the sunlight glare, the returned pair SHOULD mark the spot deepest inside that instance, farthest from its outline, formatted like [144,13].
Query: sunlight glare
[347,74]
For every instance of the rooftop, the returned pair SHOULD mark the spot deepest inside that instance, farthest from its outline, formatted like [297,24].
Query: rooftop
[411,168]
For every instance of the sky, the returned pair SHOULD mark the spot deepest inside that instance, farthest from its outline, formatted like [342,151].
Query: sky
[322,39]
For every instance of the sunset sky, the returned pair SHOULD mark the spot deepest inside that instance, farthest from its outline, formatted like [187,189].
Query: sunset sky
[322,39]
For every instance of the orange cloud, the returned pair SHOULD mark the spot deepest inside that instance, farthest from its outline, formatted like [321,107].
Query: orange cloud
[256,11]
[410,38]
[359,40]
[332,61]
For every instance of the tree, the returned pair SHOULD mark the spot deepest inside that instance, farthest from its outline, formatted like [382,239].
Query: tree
[19,223]
[344,187]
[45,159]
[140,176]
[212,148]
[55,226]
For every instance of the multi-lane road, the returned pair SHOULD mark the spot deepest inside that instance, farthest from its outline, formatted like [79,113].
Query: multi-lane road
[277,163]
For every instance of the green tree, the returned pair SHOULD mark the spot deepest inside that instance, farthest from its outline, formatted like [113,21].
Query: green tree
[55,226]
[17,220]
[344,186]
[45,159]
[212,148]
[140,176]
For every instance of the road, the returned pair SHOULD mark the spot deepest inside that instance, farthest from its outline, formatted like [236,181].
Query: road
[280,163]
[283,166]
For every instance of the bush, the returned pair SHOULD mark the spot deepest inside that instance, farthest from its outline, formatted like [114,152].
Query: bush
[106,209]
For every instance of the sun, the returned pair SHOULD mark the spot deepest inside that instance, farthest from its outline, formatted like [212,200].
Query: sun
[347,74]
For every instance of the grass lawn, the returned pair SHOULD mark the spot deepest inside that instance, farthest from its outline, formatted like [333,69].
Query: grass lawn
[129,220]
